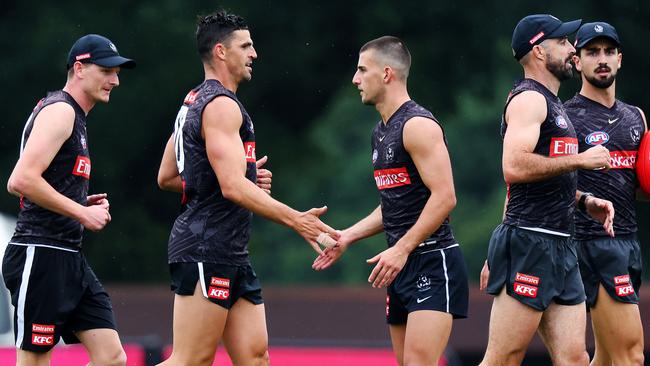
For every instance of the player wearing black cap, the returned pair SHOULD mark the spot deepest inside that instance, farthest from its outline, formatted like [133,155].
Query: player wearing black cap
[54,290]
[610,267]
[423,267]
[532,259]
[210,159]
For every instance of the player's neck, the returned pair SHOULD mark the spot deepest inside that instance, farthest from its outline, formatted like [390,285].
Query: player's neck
[224,77]
[391,103]
[544,77]
[83,99]
[606,97]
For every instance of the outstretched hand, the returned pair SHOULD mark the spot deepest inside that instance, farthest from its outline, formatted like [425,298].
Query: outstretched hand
[309,226]
[331,255]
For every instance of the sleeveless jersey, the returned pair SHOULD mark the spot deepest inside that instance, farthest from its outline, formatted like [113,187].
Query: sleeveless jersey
[68,174]
[548,204]
[210,228]
[619,129]
[402,192]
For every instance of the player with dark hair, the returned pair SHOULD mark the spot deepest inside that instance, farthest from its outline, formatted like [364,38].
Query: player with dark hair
[211,160]
[53,289]
[610,267]
[423,266]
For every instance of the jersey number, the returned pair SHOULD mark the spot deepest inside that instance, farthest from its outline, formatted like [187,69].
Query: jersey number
[178,138]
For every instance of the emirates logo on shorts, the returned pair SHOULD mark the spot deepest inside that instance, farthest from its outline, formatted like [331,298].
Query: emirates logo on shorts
[619,280]
[526,285]
[42,328]
[221,282]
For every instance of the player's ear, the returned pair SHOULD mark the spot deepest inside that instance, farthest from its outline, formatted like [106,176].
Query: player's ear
[576,62]
[620,59]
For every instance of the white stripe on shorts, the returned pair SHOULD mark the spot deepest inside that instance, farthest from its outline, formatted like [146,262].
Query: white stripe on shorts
[444,266]
[22,294]
[202,280]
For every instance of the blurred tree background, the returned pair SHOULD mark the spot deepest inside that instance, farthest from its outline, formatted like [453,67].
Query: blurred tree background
[307,115]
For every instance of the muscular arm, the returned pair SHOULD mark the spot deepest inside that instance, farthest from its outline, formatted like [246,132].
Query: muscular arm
[423,140]
[221,122]
[524,116]
[168,177]
[52,127]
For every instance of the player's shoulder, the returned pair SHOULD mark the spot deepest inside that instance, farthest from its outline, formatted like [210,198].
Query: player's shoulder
[527,105]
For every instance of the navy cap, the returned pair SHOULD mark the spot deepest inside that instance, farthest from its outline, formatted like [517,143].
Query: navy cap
[534,29]
[95,49]
[589,31]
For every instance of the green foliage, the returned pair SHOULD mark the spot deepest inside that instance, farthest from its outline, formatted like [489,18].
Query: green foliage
[308,117]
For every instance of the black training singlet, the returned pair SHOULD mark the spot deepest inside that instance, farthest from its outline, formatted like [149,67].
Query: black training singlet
[619,129]
[210,228]
[548,204]
[68,174]
[402,192]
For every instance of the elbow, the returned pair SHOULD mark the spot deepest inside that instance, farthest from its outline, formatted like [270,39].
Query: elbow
[17,185]
[452,201]
[511,175]
[230,192]
[162,183]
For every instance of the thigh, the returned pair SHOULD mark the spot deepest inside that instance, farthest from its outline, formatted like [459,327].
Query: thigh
[427,333]
[397,336]
[198,328]
[562,329]
[617,325]
[512,326]
[245,335]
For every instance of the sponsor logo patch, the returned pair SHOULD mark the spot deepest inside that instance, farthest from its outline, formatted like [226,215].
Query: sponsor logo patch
[624,290]
[249,148]
[42,339]
[190,98]
[221,282]
[597,138]
[525,290]
[43,328]
[622,159]
[536,38]
[531,280]
[619,280]
[389,178]
[561,122]
[562,146]
[83,56]
[218,293]
[82,167]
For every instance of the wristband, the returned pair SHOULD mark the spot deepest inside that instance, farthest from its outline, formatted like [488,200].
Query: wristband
[582,202]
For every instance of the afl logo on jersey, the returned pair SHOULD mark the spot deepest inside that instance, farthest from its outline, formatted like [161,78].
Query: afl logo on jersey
[561,122]
[597,138]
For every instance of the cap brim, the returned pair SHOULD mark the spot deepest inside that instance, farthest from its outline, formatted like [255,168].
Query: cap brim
[115,61]
[583,42]
[565,29]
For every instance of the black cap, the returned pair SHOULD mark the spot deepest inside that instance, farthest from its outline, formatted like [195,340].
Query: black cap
[93,48]
[534,29]
[589,31]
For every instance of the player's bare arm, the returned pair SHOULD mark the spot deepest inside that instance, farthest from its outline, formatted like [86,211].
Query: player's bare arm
[168,177]
[423,140]
[52,127]
[221,122]
[524,116]
[366,227]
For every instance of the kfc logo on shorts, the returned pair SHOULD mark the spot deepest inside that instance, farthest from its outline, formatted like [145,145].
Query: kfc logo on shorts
[42,340]
[82,167]
[525,290]
[41,328]
[249,148]
[622,159]
[190,98]
[531,280]
[562,146]
[221,282]
[389,178]
[619,280]
[624,290]
[218,293]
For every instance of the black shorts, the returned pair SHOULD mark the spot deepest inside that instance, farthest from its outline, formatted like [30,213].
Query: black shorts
[55,294]
[430,280]
[613,262]
[222,284]
[535,267]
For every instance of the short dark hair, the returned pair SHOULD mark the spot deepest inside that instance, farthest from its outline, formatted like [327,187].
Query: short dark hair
[214,28]
[392,51]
